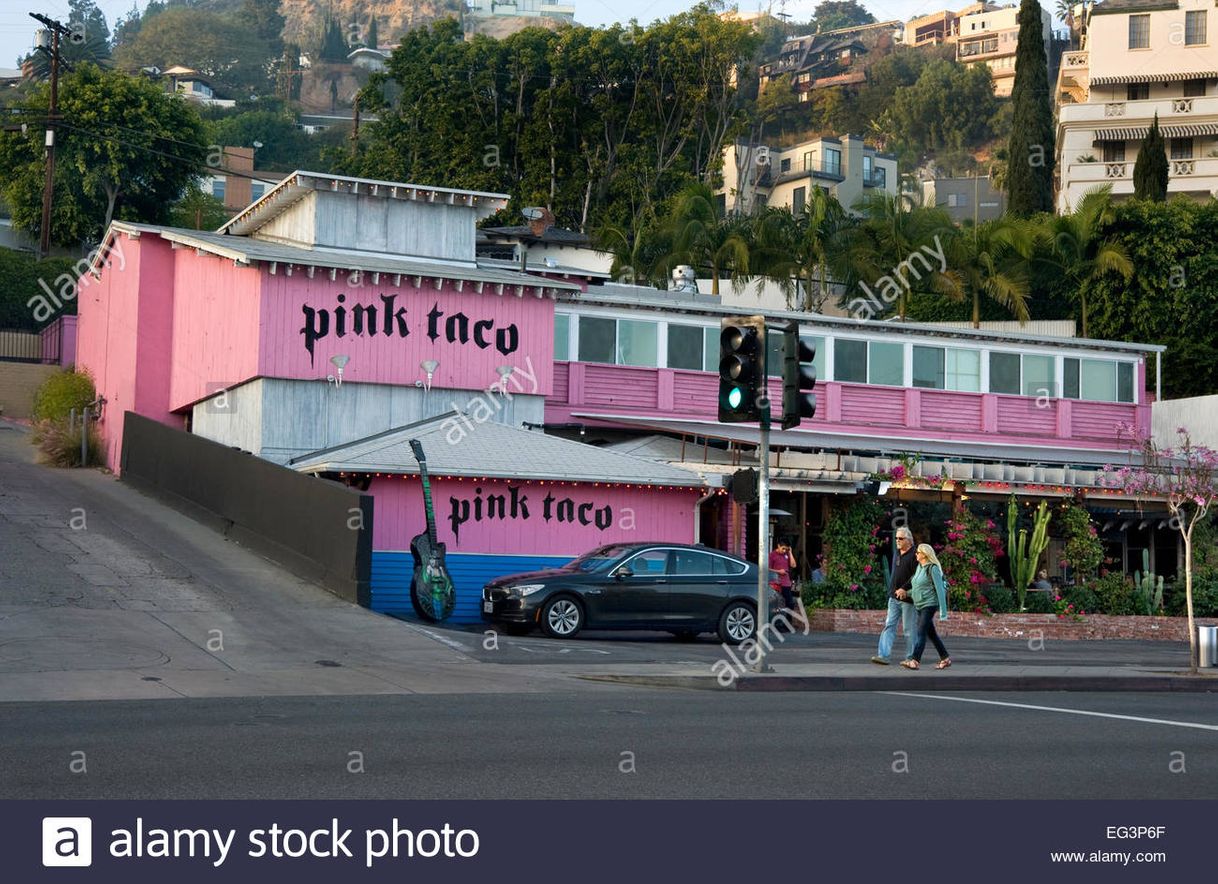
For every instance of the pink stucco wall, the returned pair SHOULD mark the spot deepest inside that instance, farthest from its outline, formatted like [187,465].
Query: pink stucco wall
[494,323]
[633,515]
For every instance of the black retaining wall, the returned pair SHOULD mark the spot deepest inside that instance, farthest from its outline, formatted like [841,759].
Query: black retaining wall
[299,521]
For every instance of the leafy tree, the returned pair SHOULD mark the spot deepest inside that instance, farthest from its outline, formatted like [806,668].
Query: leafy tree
[948,108]
[701,237]
[224,50]
[198,210]
[19,276]
[125,149]
[264,17]
[284,147]
[1172,297]
[1150,170]
[333,44]
[1083,252]
[1030,163]
[795,250]
[830,15]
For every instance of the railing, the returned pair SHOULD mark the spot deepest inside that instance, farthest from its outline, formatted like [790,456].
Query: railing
[1076,59]
[847,408]
[1114,109]
[1122,172]
[1142,109]
[19,346]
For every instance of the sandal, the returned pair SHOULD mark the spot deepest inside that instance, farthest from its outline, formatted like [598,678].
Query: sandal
[910,664]
[944,663]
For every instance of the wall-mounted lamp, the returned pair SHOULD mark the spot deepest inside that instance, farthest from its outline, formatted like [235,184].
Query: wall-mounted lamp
[505,372]
[429,367]
[339,362]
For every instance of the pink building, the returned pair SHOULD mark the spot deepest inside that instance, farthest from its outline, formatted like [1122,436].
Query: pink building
[334,317]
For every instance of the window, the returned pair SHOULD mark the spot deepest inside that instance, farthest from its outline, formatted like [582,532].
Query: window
[1102,380]
[257,189]
[929,365]
[637,342]
[784,165]
[1182,148]
[833,161]
[947,368]
[798,198]
[1139,32]
[690,563]
[1004,373]
[867,163]
[963,370]
[1194,88]
[651,563]
[597,339]
[562,336]
[850,361]
[1137,91]
[808,161]
[1194,28]
[879,177]
[710,349]
[685,344]
[1039,376]
[723,565]
[1114,151]
[217,188]
[886,364]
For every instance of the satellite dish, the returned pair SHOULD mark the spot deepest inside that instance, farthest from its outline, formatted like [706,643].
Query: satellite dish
[532,213]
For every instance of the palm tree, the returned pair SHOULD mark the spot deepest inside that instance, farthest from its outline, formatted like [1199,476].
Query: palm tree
[891,230]
[795,250]
[1081,250]
[990,260]
[704,239]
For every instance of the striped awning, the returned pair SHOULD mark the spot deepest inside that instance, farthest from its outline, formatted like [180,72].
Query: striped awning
[1137,133]
[1117,79]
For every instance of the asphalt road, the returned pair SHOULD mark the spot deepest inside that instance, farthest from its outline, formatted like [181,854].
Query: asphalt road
[592,647]
[625,744]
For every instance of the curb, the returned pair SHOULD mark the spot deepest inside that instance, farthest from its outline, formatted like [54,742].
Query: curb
[1010,683]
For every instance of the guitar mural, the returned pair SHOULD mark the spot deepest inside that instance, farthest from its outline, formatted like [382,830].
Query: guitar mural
[431,590]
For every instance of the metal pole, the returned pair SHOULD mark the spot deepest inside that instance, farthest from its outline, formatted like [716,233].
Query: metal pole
[84,437]
[48,186]
[763,534]
[71,421]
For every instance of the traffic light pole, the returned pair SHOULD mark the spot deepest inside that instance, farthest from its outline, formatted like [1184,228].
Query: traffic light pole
[763,536]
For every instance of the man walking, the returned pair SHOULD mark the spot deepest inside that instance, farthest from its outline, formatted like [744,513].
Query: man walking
[900,600]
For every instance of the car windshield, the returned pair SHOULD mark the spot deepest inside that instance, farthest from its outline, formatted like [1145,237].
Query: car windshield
[597,560]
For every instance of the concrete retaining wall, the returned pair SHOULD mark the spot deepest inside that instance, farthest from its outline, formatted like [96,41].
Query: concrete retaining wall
[18,383]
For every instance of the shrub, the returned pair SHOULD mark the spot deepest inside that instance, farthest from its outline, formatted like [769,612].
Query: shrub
[62,392]
[61,448]
[1205,595]
[1114,595]
[1040,603]
[1082,598]
[853,573]
[1001,599]
[1084,550]
[968,560]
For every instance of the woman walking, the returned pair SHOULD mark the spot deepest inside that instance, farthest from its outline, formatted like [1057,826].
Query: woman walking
[928,592]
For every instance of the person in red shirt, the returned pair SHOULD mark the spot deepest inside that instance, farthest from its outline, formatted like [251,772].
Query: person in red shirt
[782,563]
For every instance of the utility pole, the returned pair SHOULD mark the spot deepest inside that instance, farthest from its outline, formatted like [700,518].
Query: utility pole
[51,33]
[763,531]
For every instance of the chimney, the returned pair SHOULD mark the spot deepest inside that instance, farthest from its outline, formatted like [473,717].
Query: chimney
[538,226]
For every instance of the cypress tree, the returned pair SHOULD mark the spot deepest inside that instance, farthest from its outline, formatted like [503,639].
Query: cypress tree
[1150,171]
[1030,164]
[373,38]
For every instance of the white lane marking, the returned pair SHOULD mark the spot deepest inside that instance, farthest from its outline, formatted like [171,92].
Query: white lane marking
[442,639]
[1192,724]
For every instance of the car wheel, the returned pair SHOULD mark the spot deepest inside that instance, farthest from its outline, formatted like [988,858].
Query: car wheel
[738,623]
[685,635]
[562,617]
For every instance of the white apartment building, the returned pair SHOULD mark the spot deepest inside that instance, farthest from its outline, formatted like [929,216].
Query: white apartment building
[989,35]
[760,175]
[1139,58]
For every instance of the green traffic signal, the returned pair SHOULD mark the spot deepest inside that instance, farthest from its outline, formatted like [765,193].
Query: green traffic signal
[735,397]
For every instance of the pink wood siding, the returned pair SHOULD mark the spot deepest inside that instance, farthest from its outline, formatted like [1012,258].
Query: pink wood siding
[559,388]
[215,325]
[849,408]
[1024,416]
[393,359]
[634,515]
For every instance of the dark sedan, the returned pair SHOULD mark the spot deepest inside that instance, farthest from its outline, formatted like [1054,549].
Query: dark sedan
[682,589]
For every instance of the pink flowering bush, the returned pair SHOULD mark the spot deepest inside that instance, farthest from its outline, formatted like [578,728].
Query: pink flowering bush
[969,560]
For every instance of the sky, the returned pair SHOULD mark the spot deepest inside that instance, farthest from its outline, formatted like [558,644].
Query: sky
[17,28]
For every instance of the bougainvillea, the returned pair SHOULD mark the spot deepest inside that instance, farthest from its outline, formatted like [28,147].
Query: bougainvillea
[852,554]
[969,560]
[1084,550]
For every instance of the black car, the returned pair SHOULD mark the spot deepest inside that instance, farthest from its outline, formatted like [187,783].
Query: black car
[678,588]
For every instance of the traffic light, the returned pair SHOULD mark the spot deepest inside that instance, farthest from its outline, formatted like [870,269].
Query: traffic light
[742,375]
[798,378]
[743,485]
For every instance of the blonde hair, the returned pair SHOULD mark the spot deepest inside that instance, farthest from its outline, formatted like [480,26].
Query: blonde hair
[929,551]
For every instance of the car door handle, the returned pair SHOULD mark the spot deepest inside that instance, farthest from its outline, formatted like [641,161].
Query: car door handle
[593,591]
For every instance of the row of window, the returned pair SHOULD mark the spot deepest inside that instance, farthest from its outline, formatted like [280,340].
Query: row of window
[1195,88]
[1194,29]
[1180,148]
[696,348]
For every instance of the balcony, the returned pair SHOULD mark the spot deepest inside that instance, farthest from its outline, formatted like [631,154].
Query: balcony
[852,411]
[1118,113]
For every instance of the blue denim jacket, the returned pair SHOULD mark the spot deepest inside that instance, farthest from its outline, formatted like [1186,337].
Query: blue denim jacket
[930,589]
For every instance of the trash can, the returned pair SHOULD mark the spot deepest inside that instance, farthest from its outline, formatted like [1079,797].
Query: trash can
[1207,642]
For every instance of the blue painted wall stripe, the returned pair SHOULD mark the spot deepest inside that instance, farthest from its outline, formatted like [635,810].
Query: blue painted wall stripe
[392,572]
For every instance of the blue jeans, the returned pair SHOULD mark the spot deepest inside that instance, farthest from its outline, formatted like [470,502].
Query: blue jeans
[926,629]
[903,611]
